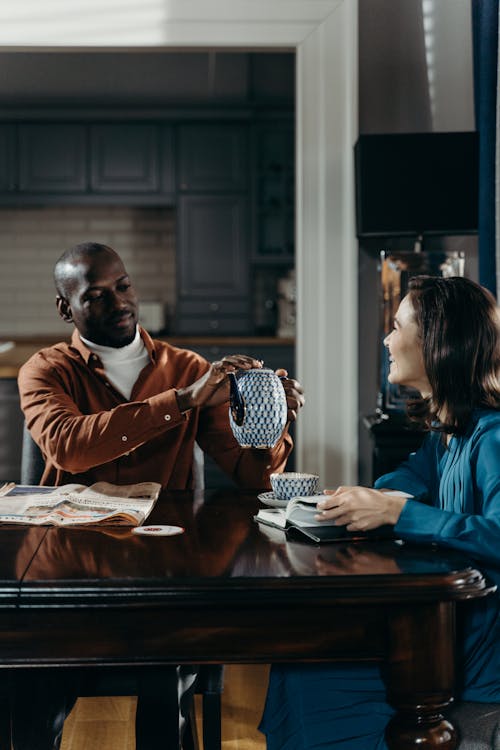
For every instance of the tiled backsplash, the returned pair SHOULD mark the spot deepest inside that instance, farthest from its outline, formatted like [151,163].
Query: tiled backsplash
[32,239]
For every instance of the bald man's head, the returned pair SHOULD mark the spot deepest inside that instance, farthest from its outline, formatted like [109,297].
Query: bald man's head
[95,293]
[67,268]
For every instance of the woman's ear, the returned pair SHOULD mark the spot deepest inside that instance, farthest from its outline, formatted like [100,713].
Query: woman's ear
[64,309]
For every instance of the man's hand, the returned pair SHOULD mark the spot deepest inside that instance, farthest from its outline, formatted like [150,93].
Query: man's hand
[212,389]
[294,394]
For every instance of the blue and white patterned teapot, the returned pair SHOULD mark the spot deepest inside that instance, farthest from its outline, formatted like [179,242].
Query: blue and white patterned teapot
[258,410]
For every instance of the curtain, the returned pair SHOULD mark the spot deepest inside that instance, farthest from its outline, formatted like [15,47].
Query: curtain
[486,59]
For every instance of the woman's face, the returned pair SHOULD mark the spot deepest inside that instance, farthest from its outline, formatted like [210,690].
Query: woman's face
[405,351]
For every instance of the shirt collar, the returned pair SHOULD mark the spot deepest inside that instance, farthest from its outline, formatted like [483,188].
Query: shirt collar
[86,353]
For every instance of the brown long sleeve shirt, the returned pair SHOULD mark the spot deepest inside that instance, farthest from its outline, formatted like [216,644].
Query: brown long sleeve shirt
[88,431]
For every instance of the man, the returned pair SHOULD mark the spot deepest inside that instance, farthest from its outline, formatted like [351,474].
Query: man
[118,406]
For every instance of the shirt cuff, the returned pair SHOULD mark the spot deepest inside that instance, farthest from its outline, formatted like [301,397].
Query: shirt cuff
[165,409]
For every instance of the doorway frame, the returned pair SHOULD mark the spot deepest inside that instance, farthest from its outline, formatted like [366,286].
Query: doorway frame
[323,34]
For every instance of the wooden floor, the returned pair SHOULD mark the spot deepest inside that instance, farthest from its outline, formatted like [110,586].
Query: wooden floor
[108,723]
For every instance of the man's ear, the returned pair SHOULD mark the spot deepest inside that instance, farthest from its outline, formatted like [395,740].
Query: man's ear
[64,309]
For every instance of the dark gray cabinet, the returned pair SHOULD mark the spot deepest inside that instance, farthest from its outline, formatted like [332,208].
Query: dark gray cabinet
[65,162]
[213,157]
[232,179]
[213,251]
[52,158]
[212,265]
[131,158]
[7,158]
[274,193]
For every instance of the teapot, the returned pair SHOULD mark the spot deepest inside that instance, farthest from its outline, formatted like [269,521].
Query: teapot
[258,408]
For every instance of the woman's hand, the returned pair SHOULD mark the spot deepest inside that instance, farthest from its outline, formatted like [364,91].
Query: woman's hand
[360,508]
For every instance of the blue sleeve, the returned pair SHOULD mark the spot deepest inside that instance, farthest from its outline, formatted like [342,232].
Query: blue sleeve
[476,532]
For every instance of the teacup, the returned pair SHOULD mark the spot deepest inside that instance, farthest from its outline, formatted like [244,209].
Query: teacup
[294,484]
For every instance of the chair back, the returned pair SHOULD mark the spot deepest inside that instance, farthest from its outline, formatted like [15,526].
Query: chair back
[32,461]
[198,468]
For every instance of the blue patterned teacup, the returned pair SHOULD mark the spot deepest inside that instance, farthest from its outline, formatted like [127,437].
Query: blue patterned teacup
[258,408]
[294,484]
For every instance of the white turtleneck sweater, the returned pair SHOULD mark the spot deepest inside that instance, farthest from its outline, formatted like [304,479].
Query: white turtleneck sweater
[122,365]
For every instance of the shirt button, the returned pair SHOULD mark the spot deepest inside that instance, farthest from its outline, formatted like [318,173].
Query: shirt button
[124,438]
[167,417]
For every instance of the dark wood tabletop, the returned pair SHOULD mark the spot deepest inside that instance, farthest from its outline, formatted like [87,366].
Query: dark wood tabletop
[230,590]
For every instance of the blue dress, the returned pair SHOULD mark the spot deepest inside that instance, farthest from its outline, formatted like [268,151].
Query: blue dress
[456,504]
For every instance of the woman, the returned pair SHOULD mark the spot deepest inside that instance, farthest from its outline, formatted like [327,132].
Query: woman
[446,345]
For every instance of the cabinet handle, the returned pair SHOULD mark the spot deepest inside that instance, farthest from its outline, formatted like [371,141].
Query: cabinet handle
[214,306]
[214,324]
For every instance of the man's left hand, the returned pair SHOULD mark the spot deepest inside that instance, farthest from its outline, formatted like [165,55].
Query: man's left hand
[295,399]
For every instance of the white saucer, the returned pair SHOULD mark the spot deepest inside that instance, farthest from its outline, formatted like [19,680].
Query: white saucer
[158,530]
[269,499]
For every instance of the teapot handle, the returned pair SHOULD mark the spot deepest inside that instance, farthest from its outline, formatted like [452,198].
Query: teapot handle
[236,400]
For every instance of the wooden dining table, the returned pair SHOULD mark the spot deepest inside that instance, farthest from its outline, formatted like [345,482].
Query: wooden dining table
[230,590]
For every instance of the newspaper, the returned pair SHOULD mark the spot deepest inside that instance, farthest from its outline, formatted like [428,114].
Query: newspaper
[76,504]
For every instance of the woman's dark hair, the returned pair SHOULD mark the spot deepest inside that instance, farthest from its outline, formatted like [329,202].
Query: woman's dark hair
[459,325]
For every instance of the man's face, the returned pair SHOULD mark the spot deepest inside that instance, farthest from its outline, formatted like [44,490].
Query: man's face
[101,300]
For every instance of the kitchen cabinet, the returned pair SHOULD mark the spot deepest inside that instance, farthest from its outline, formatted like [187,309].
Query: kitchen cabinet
[52,158]
[7,157]
[86,163]
[131,158]
[232,179]
[213,157]
[213,271]
[213,252]
[274,193]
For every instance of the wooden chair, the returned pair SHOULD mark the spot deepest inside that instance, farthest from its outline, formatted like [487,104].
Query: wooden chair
[119,681]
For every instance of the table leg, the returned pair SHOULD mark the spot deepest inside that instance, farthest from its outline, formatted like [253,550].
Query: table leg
[420,675]
[4,723]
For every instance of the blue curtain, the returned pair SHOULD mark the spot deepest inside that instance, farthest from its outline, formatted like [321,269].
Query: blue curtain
[485,46]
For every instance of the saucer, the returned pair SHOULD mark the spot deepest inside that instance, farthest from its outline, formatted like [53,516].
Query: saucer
[158,530]
[269,499]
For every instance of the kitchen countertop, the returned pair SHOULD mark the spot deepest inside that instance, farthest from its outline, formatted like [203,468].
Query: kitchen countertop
[11,358]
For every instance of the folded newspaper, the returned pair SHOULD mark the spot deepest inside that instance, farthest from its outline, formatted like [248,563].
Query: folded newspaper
[76,504]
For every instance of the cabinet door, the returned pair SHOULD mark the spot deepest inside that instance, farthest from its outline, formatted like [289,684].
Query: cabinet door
[52,158]
[213,264]
[274,194]
[213,248]
[125,158]
[7,158]
[213,157]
